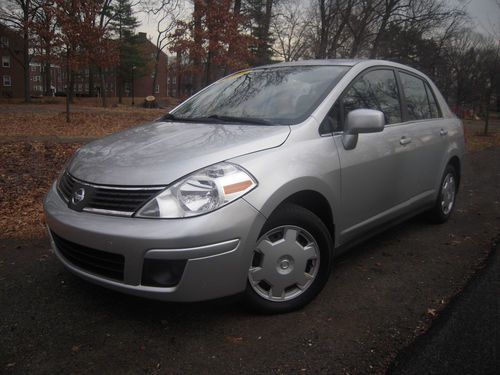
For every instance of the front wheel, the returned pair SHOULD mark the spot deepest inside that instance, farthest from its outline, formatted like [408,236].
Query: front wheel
[291,261]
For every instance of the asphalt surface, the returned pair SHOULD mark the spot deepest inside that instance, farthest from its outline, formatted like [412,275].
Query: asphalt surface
[465,339]
[381,296]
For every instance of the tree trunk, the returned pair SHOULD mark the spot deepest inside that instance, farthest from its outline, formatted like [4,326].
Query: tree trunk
[155,74]
[68,90]
[381,30]
[323,32]
[26,58]
[198,42]
[91,81]
[487,113]
[103,88]
[263,55]
[120,89]
[47,79]
[71,87]
[178,73]
[236,11]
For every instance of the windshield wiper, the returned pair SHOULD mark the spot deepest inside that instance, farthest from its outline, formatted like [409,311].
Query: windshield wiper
[243,120]
[218,118]
[171,117]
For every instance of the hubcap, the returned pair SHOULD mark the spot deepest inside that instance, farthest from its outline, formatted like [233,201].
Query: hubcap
[448,193]
[285,263]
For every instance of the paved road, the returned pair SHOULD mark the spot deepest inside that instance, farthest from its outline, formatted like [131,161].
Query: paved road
[465,339]
[377,300]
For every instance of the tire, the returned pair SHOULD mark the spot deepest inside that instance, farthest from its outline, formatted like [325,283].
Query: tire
[291,261]
[446,198]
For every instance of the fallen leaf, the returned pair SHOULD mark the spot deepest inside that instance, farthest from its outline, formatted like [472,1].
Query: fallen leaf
[234,339]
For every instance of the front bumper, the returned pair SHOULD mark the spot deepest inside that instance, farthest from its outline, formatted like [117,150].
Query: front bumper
[217,247]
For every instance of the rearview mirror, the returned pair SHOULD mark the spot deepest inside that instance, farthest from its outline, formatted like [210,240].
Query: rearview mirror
[361,121]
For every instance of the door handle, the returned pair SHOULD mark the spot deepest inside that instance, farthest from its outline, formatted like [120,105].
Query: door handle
[443,132]
[405,140]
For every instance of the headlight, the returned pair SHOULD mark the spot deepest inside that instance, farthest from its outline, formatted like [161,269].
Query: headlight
[203,191]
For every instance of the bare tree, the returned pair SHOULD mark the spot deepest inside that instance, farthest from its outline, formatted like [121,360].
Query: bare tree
[289,28]
[165,14]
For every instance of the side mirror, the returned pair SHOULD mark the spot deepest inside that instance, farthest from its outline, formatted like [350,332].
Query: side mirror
[361,121]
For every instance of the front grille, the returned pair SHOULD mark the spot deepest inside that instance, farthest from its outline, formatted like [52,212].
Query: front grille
[66,185]
[120,199]
[106,199]
[95,261]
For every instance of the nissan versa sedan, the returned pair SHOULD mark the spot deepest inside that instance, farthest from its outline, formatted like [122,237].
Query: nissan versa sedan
[253,185]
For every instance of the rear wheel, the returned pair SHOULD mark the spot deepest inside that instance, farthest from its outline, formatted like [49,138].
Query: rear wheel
[446,198]
[291,261]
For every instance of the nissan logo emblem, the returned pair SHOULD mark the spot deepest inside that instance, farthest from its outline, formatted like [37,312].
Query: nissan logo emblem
[78,196]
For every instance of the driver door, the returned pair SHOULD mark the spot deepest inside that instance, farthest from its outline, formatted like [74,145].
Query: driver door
[374,175]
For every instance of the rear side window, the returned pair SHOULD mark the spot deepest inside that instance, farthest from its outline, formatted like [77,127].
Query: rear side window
[378,90]
[417,101]
[435,113]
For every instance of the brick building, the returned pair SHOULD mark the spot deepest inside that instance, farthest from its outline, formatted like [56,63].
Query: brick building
[86,82]
[11,69]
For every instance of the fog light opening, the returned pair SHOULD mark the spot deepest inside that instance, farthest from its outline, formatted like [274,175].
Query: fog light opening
[162,273]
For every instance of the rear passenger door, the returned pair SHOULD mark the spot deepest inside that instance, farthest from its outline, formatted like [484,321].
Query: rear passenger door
[374,175]
[428,133]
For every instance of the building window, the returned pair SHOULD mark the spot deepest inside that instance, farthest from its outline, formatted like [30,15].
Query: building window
[157,89]
[4,42]
[37,78]
[33,68]
[6,61]
[174,80]
[7,81]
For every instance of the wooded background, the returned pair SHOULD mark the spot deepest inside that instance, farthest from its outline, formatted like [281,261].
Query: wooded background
[211,38]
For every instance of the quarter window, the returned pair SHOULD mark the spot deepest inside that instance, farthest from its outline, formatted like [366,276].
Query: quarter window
[417,102]
[432,102]
[378,90]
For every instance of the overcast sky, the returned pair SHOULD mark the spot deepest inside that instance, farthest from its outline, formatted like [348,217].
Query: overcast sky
[485,15]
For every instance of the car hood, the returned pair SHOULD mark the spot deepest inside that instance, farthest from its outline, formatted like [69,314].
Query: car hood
[162,152]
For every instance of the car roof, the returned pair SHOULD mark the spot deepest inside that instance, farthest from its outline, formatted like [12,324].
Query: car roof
[362,63]
[344,62]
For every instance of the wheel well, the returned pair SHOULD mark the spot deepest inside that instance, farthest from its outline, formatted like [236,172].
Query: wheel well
[455,163]
[317,204]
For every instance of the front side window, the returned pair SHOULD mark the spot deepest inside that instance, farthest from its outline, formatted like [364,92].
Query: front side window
[417,102]
[378,90]
[279,95]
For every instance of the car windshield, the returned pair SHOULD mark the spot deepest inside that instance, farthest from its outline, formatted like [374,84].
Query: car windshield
[279,95]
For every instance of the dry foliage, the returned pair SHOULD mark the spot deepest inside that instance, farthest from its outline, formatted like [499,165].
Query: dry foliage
[94,123]
[476,141]
[27,170]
